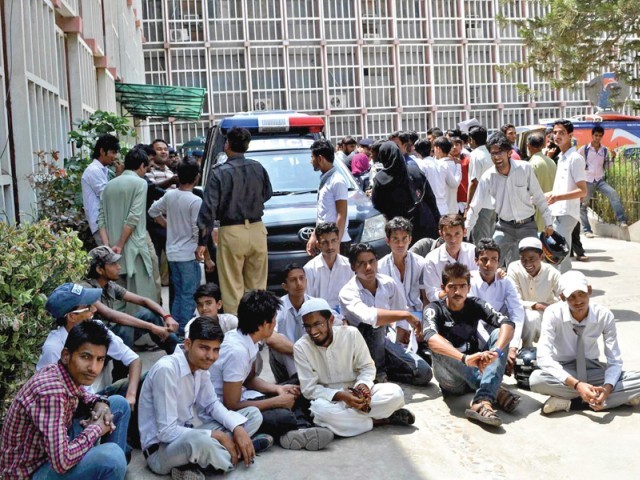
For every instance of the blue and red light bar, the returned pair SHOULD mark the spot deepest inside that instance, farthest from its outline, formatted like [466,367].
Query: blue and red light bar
[273,122]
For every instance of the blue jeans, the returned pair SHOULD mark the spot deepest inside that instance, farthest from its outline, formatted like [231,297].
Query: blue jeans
[185,278]
[103,462]
[392,358]
[456,378]
[609,192]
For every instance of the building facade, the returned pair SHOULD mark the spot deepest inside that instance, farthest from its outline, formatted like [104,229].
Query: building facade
[368,66]
[59,61]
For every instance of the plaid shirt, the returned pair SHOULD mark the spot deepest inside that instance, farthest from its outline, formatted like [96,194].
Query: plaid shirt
[36,427]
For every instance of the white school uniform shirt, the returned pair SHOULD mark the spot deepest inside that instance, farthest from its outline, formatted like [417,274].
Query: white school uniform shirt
[479,162]
[325,283]
[413,272]
[170,395]
[53,345]
[503,297]
[359,305]
[448,175]
[237,356]
[558,341]
[324,371]
[289,320]
[94,179]
[543,288]
[333,187]
[436,260]
[570,171]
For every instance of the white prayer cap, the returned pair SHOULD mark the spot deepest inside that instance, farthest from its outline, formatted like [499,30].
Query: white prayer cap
[314,305]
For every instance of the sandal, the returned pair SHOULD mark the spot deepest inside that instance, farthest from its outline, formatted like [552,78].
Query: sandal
[483,412]
[507,400]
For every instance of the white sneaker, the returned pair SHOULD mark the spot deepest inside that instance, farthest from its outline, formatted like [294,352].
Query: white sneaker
[556,404]
[187,473]
[314,438]
[634,402]
[588,234]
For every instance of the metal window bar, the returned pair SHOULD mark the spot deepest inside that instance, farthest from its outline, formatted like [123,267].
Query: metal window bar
[305,78]
[152,21]
[413,65]
[513,10]
[155,66]
[340,22]
[185,21]
[448,78]
[338,126]
[509,92]
[415,121]
[189,69]
[482,81]
[541,113]
[303,20]
[342,77]
[380,125]
[446,119]
[517,116]
[573,110]
[264,20]
[267,78]
[228,81]
[226,21]
[445,17]
[411,20]
[479,21]
[376,20]
[488,117]
[378,73]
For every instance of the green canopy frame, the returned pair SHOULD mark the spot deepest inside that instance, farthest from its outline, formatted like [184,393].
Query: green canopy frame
[144,101]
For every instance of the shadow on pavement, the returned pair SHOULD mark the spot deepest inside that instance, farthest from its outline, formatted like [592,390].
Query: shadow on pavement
[625,315]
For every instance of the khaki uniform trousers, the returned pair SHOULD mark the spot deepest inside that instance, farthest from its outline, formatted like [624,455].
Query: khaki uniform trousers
[242,261]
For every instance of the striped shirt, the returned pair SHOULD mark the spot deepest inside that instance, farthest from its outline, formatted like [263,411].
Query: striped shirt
[35,428]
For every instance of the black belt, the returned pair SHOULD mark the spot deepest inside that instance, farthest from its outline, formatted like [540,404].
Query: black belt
[517,222]
[151,450]
[229,223]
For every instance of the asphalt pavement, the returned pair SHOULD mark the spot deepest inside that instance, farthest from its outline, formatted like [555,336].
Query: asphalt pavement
[443,444]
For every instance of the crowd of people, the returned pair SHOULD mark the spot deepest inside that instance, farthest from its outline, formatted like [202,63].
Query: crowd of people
[468,283]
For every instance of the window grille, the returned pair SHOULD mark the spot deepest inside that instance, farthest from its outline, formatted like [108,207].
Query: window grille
[445,19]
[339,20]
[264,20]
[189,69]
[337,126]
[185,21]
[228,81]
[152,21]
[378,74]
[226,20]
[411,20]
[413,60]
[155,66]
[305,78]
[267,78]
[379,125]
[448,78]
[479,19]
[482,75]
[343,75]
[303,20]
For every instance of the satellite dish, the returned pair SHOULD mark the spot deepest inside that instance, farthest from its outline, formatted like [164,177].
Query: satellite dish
[607,92]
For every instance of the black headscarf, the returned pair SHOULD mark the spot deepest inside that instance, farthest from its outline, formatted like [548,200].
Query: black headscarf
[391,193]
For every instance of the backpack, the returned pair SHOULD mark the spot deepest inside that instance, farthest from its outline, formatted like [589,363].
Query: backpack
[586,155]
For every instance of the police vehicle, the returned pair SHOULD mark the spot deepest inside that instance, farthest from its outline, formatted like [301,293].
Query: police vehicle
[281,142]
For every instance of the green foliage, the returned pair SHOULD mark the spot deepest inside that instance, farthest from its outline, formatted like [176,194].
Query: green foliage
[624,177]
[577,39]
[34,260]
[58,189]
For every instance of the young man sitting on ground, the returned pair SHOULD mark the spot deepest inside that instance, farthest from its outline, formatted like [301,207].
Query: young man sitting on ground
[36,442]
[234,378]
[336,374]
[208,304]
[568,354]
[459,365]
[176,384]
[372,302]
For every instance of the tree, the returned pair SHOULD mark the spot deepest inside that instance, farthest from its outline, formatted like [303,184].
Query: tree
[579,39]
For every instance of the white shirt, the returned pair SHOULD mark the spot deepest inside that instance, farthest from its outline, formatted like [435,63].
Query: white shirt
[510,195]
[594,162]
[94,179]
[333,187]
[237,355]
[439,258]
[502,297]
[168,397]
[479,162]
[358,304]
[324,371]
[181,209]
[226,321]
[289,320]
[325,283]
[446,180]
[570,171]
[558,341]
[427,166]
[543,288]
[412,283]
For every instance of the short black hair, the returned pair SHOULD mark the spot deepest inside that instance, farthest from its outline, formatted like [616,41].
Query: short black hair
[453,132]
[413,136]
[423,147]
[348,140]
[444,144]
[535,140]
[455,270]
[156,140]
[90,331]
[256,308]
[487,244]
[106,142]
[208,290]
[568,126]
[451,220]
[479,135]
[188,170]
[357,249]
[398,224]
[205,328]
[435,132]
[506,127]
[323,148]
[288,269]
[456,140]
[597,129]
[148,149]
[404,137]
[500,140]
[135,158]
[239,139]
[326,227]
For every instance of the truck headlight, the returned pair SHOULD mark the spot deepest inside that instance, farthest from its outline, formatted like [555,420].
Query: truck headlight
[373,229]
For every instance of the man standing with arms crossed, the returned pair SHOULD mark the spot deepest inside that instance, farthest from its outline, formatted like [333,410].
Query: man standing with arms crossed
[234,197]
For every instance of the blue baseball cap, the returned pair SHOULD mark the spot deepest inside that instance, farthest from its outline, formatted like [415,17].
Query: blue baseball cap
[68,296]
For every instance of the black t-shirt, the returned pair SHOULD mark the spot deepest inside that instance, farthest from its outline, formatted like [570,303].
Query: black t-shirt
[461,328]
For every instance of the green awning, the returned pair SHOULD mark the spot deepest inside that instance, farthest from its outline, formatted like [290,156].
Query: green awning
[144,101]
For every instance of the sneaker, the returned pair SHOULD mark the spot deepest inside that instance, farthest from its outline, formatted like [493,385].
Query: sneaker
[262,442]
[582,258]
[402,417]
[556,404]
[589,234]
[634,402]
[315,438]
[624,225]
[188,472]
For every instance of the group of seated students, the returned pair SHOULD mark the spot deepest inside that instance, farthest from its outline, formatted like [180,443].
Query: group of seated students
[345,328]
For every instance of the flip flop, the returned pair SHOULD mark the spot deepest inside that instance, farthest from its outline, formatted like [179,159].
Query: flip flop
[483,412]
[507,400]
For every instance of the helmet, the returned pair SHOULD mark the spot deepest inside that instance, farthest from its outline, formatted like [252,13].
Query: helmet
[554,247]
[526,363]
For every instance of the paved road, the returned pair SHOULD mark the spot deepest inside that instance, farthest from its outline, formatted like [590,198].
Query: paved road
[445,445]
